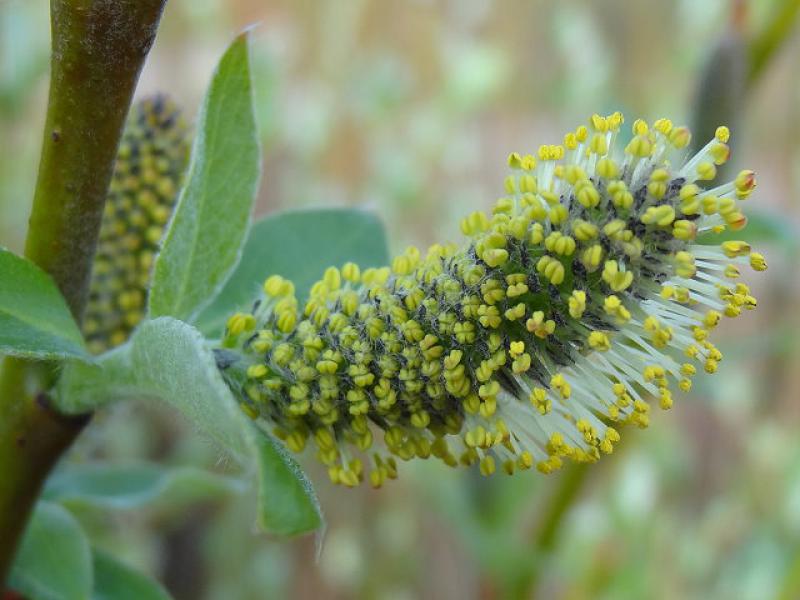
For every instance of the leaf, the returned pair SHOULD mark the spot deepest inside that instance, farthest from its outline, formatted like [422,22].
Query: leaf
[299,245]
[762,227]
[114,580]
[54,560]
[35,321]
[282,479]
[167,360]
[203,242]
[131,486]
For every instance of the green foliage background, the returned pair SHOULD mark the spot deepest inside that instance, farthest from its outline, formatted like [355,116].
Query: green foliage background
[407,110]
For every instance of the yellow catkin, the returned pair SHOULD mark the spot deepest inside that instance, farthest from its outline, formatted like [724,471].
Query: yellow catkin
[578,300]
[150,164]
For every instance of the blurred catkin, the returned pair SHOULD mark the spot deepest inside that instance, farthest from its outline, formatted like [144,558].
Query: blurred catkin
[150,164]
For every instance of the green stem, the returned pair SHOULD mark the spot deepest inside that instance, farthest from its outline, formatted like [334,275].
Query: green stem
[99,47]
[32,437]
[545,537]
[764,45]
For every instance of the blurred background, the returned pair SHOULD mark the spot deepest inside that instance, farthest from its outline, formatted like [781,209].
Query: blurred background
[410,109]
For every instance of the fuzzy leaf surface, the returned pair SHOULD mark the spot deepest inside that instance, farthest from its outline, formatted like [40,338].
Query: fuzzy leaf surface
[203,242]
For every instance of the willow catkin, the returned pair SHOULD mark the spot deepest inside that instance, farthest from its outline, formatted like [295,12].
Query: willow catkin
[579,299]
[150,164]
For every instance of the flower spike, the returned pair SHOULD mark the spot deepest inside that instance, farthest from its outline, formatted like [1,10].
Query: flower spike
[578,300]
[151,160]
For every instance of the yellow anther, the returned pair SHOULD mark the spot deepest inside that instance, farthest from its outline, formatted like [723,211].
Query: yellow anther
[665,398]
[515,160]
[592,257]
[276,286]
[351,272]
[538,397]
[495,257]
[577,304]
[521,364]
[662,215]
[620,196]
[583,230]
[476,222]
[617,279]
[489,390]
[515,312]
[658,183]
[558,214]
[332,278]
[539,326]
[734,248]
[599,341]
[720,153]
[518,289]
[613,306]
[685,265]
[256,371]
[680,137]
[745,183]
[711,319]
[598,144]
[607,168]
[287,320]
[684,230]
[551,268]
[587,194]
[598,123]
[706,171]
[560,244]
[663,126]
[758,262]
[487,466]
[559,383]
[640,147]
[241,322]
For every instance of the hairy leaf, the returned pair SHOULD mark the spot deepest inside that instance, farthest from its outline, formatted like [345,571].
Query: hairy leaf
[35,321]
[203,242]
[136,485]
[54,561]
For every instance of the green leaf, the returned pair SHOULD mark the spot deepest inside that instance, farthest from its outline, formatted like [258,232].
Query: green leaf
[35,321]
[299,245]
[283,491]
[763,227]
[54,560]
[114,580]
[167,360]
[203,242]
[132,486]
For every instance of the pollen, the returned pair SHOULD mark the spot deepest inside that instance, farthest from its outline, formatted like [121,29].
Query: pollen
[576,302]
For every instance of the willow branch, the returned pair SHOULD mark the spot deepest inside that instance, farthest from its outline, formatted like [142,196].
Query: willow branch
[99,47]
